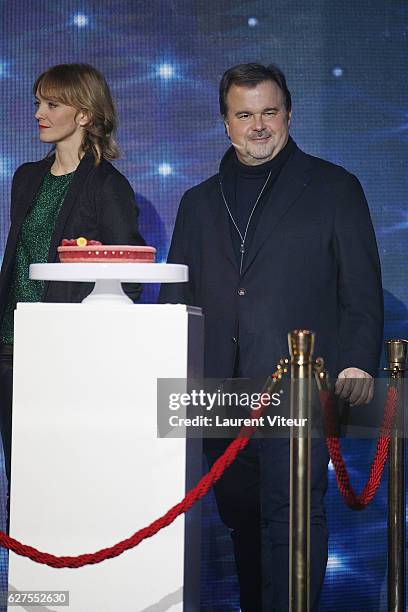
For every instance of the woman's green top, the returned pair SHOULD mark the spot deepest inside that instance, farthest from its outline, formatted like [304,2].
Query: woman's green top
[33,246]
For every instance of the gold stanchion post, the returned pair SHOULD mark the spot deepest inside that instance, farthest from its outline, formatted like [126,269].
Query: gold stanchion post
[396,354]
[301,344]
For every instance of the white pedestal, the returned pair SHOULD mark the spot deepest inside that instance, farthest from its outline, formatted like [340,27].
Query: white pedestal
[87,467]
[108,277]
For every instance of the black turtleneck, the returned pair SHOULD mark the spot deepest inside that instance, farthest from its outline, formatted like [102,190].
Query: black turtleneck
[242,185]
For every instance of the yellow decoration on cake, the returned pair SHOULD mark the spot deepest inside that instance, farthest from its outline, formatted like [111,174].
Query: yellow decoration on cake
[81,242]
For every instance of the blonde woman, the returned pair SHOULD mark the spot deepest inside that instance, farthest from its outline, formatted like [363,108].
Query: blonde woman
[74,191]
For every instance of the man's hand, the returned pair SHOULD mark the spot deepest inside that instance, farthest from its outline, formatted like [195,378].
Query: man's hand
[355,386]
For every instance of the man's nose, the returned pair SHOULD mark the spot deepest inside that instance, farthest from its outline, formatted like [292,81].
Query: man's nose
[258,123]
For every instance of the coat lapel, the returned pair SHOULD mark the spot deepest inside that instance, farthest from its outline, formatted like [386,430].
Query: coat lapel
[222,223]
[292,180]
[86,165]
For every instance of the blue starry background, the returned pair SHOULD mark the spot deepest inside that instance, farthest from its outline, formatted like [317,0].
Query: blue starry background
[346,66]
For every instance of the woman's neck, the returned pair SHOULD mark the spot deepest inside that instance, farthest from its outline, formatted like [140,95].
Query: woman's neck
[67,159]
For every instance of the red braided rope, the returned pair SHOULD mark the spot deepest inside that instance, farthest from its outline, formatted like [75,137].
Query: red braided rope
[207,481]
[354,501]
[201,489]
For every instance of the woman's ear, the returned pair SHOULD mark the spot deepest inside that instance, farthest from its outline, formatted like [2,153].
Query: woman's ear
[82,118]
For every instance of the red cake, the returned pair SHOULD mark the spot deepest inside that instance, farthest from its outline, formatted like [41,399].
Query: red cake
[82,250]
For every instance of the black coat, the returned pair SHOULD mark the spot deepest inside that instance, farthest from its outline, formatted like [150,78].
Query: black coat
[312,264]
[99,205]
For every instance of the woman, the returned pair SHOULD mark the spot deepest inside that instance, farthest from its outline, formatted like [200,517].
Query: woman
[75,191]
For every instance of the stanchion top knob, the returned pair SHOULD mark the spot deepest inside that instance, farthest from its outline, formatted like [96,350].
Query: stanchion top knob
[301,346]
[396,352]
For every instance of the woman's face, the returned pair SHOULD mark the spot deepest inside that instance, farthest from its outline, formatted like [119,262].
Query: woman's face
[57,122]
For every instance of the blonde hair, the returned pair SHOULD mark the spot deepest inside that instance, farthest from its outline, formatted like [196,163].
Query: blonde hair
[84,88]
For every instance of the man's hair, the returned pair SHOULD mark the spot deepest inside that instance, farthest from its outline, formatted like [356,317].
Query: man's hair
[251,75]
[84,88]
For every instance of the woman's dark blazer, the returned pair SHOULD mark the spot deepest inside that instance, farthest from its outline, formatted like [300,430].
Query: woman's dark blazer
[99,205]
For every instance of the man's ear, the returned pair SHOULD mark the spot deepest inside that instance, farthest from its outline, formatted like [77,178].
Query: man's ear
[289,117]
[226,126]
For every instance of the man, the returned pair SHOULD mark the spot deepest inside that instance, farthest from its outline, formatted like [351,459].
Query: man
[278,240]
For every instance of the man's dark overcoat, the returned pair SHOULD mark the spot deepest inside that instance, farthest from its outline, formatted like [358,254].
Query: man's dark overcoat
[312,264]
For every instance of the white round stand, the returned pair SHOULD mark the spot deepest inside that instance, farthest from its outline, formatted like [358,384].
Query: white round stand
[108,277]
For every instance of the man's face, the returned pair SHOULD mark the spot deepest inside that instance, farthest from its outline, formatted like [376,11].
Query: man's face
[257,122]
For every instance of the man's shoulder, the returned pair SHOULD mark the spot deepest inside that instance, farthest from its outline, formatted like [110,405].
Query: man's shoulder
[203,188]
[199,196]
[324,169]
[325,177]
